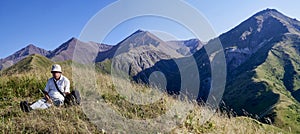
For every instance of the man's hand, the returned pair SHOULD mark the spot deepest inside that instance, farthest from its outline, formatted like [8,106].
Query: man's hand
[49,100]
[66,93]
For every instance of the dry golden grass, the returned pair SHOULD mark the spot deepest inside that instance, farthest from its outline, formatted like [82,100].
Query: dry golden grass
[90,118]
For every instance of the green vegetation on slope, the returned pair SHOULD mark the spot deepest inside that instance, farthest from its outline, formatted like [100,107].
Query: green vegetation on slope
[270,87]
[34,63]
[280,71]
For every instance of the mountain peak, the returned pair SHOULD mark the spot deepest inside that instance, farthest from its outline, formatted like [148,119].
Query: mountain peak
[65,50]
[292,25]
[139,31]
[69,43]
[265,24]
[277,15]
[139,36]
[30,46]
[268,10]
[271,13]
[254,33]
[142,37]
[72,39]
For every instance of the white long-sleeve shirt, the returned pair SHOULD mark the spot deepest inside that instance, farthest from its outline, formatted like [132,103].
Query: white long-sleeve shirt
[63,84]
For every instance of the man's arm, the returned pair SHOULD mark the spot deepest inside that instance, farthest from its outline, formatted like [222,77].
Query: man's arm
[67,86]
[48,99]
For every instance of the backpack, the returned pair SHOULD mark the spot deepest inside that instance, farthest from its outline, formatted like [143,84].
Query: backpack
[73,98]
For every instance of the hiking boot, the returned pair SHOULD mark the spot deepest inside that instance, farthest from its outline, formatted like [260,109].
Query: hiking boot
[22,106]
[25,107]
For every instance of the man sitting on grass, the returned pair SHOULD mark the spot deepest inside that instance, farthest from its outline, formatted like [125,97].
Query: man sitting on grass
[54,90]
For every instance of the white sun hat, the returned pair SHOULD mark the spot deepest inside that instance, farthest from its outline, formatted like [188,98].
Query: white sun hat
[56,68]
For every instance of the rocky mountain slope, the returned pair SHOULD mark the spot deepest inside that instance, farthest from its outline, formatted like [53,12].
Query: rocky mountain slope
[139,51]
[252,34]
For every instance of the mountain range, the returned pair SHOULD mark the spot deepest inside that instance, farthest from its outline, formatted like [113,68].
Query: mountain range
[262,57]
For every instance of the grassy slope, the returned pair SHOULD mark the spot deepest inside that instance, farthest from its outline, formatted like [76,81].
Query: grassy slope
[280,72]
[24,84]
[35,63]
[269,89]
[21,82]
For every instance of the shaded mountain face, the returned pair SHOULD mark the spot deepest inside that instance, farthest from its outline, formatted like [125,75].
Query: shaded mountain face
[180,75]
[19,55]
[267,85]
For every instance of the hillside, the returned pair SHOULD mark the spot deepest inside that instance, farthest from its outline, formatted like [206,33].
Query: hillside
[22,53]
[263,69]
[33,63]
[24,86]
[269,85]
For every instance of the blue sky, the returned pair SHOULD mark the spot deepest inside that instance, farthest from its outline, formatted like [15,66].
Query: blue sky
[47,24]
